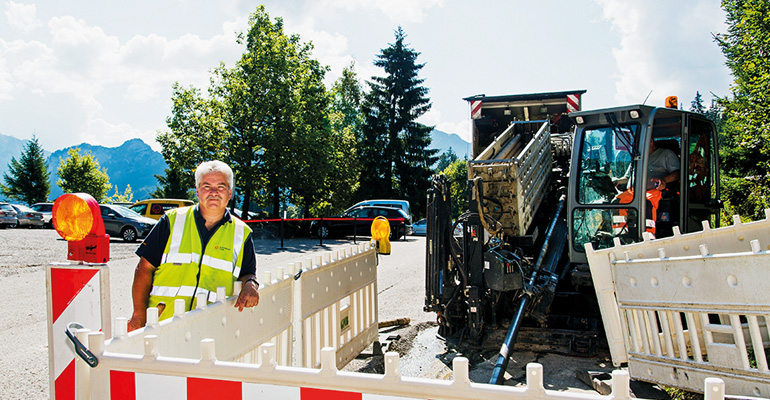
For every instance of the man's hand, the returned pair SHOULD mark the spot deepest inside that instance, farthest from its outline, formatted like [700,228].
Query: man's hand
[139,317]
[249,296]
[137,320]
[660,184]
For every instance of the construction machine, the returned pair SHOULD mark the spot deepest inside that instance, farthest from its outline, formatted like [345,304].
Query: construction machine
[545,179]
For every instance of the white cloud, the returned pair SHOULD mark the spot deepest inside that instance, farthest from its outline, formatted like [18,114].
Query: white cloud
[116,90]
[109,134]
[665,47]
[461,128]
[22,16]
[397,10]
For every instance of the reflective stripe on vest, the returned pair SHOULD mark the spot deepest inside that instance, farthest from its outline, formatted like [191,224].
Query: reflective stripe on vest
[186,269]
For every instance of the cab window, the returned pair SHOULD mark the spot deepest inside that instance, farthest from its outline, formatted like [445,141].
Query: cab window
[701,174]
[606,165]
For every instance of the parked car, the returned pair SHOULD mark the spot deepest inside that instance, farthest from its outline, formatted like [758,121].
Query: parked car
[7,216]
[420,228]
[361,223]
[252,215]
[124,223]
[28,217]
[155,208]
[46,209]
[402,204]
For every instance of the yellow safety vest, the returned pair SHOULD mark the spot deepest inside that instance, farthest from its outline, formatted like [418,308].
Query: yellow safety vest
[186,269]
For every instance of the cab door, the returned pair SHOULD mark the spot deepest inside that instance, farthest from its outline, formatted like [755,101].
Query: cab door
[700,175]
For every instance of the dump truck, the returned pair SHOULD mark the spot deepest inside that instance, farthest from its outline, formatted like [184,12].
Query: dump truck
[545,179]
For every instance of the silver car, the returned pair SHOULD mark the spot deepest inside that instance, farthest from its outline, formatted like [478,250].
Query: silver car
[27,217]
[46,209]
[7,216]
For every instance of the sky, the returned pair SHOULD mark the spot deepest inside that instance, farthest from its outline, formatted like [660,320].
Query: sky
[102,72]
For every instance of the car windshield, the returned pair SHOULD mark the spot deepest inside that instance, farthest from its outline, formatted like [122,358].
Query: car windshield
[125,212]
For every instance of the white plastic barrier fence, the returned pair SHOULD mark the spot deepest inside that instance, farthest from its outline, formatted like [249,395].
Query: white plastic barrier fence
[329,300]
[682,308]
[154,376]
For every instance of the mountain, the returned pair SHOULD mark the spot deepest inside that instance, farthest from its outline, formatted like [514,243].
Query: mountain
[444,141]
[133,163]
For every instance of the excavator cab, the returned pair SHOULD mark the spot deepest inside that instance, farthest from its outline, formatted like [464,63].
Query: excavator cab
[620,157]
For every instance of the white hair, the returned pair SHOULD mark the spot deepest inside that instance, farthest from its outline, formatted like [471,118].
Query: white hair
[208,167]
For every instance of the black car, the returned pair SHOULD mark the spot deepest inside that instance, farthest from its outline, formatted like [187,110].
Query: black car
[358,221]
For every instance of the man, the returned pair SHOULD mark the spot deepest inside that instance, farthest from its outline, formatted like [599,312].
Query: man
[195,250]
[662,168]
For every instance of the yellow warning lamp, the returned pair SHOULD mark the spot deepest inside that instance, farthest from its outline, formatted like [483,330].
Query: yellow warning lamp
[672,102]
[381,234]
[77,218]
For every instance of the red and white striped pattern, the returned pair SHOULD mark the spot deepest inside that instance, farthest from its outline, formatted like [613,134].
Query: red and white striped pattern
[135,385]
[74,295]
[476,109]
[573,103]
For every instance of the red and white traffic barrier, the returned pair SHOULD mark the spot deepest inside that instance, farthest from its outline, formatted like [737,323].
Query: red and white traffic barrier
[153,376]
[76,293]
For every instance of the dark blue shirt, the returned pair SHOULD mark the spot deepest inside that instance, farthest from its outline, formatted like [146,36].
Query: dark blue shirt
[155,243]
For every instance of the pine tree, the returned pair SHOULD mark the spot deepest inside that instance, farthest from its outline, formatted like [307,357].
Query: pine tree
[27,179]
[697,104]
[394,149]
[173,185]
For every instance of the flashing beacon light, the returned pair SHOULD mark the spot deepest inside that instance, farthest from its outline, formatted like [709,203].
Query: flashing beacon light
[381,234]
[77,219]
[672,102]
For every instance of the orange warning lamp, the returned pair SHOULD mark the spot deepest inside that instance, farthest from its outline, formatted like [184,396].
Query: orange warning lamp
[77,219]
[672,102]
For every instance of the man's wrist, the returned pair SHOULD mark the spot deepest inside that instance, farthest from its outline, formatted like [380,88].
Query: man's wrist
[252,279]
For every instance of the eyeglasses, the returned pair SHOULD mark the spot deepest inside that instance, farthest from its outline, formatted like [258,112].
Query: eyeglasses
[217,188]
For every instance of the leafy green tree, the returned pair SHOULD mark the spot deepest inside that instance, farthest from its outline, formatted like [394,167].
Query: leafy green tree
[27,178]
[273,107]
[82,174]
[745,140]
[126,197]
[345,119]
[457,175]
[391,108]
[194,136]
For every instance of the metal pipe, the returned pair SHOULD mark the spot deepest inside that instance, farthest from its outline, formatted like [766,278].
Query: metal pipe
[513,330]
